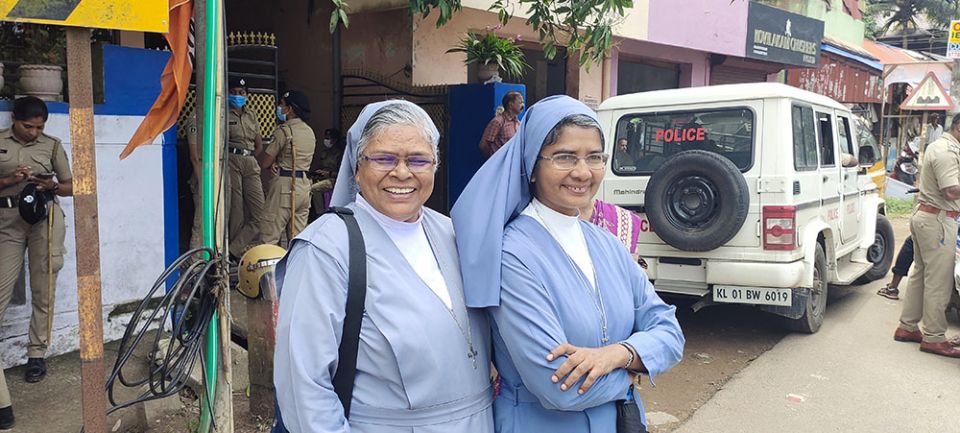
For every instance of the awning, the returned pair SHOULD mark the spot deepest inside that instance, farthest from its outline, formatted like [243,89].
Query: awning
[887,54]
[851,56]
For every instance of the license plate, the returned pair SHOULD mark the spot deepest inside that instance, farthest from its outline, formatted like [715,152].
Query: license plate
[753,295]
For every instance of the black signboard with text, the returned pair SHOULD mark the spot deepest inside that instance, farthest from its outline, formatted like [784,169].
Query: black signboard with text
[779,36]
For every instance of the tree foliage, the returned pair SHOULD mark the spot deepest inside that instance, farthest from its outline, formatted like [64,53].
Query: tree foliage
[422,7]
[907,16]
[583,26]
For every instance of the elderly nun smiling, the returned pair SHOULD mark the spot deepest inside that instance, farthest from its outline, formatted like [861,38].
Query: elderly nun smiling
[574,316]
[423,362]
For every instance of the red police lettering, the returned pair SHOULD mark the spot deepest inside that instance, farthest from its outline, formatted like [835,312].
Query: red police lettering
[680,134]
[645,226]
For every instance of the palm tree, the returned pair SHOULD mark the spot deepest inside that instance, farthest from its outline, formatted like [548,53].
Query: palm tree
[908,16]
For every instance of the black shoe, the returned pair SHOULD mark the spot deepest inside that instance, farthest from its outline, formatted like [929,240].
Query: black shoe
[6,418]
[36,370]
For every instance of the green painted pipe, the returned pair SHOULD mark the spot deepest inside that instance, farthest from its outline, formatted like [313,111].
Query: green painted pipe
[209,135]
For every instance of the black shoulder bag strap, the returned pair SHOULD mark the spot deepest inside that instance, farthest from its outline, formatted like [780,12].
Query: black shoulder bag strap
[356,296]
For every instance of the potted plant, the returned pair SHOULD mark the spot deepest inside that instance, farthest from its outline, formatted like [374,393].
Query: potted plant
[44,51]
[492,53]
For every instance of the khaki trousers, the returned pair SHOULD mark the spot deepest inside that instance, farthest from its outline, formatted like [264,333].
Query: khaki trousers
[246,203]
[277,214]
[16,237]
[931,282]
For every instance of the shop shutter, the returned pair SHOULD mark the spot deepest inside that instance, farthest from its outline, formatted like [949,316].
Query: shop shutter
[730,75]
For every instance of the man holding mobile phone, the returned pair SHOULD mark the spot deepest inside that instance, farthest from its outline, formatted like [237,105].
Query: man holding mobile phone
[28,156]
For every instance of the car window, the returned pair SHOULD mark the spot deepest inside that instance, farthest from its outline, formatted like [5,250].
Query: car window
[865,137]
[804,139]
[825,131]
[645,141]
[846,140]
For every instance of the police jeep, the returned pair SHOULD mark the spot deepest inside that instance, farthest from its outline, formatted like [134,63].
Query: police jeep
[749,194]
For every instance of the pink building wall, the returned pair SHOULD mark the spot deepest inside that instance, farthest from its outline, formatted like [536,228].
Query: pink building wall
[694,65]
[718,26]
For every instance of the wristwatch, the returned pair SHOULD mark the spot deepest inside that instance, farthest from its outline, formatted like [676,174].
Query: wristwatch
[56,186]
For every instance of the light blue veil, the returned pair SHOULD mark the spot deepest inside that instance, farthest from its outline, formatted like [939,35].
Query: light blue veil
[498,192]
[345,190]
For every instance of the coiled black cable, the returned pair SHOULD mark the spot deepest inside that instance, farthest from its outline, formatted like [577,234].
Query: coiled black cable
[190,303]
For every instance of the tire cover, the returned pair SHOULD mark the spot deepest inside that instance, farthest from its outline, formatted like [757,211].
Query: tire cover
[697,200]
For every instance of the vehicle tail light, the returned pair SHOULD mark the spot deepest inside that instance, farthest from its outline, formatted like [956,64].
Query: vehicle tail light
[779,227]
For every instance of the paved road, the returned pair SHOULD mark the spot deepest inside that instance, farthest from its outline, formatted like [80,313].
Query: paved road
[849,377]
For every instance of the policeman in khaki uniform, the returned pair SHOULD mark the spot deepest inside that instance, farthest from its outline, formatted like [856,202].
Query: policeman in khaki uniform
[27,156]
[246,188]
[323,169]
[934,230]
[290,153]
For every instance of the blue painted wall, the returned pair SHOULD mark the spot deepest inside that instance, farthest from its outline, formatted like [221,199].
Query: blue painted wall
[471,108]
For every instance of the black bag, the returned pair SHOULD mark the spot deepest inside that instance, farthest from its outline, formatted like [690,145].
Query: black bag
[628,417]
[356,296]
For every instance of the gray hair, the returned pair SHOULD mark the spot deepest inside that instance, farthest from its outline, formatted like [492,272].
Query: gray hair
[400,114]
[577,120]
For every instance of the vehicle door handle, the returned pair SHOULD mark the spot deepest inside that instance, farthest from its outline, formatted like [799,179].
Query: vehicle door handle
[846,176]
[826,178]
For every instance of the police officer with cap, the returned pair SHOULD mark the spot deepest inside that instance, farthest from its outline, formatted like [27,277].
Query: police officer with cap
[933,227]
[291,151]
[246,188]
[33,170]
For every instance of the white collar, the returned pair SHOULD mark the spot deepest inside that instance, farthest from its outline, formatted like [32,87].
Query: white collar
[553,218]
[389,224]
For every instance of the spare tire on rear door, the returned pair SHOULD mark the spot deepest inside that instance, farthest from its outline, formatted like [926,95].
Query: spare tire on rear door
[697,200]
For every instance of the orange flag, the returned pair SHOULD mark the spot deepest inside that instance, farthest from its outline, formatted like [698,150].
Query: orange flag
[175,80]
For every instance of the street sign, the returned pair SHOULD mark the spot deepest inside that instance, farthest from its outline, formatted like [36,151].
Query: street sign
[953,40]
[929,95]
[134,15]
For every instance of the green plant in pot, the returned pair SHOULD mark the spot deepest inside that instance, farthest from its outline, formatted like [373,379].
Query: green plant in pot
[492,53]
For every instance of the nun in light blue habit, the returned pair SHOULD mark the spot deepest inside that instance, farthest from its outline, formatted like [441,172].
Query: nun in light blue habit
[561,292]
[423,360]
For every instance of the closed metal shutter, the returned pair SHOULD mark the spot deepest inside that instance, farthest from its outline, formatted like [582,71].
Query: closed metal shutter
[730,75]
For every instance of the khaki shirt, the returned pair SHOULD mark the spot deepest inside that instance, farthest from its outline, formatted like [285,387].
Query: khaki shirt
[293,133]
[243,128]
[327,159]
[941,169]
[43,155]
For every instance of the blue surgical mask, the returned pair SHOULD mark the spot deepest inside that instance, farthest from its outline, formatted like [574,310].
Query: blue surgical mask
[281,116]
[237,101]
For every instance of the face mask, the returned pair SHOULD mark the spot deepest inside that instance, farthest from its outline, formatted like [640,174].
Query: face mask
[328,143]
[281,116]
[237,101]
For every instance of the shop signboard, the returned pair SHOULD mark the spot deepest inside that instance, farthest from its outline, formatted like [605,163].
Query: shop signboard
[133,15]
[775,35]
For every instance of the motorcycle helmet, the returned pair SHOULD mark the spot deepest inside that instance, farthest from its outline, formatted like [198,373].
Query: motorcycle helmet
[256,270]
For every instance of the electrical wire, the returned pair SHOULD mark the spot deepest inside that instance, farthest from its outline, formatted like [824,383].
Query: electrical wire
[191,303]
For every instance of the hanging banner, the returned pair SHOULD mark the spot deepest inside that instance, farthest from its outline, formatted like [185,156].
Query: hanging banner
[133,15]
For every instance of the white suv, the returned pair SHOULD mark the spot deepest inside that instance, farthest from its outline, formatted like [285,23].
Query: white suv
[744,195]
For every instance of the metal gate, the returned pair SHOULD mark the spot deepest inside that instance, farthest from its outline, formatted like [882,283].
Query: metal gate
[360,87]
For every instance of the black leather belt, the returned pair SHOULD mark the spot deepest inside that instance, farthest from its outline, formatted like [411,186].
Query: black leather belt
[293,173]
[239,151]
[9,202]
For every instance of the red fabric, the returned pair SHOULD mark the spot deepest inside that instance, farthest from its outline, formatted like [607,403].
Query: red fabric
[175,80]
